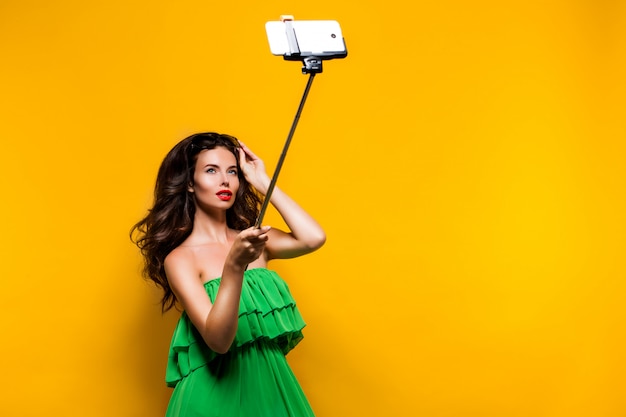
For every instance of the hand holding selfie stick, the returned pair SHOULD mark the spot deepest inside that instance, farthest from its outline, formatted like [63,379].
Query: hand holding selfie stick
[285,39]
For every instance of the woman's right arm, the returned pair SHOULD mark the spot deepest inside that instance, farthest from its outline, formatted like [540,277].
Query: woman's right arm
[216,322]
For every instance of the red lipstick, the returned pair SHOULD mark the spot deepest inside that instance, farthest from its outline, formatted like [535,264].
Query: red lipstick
[224,195]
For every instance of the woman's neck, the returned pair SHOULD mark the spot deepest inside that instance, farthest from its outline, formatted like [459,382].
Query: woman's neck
[209,229]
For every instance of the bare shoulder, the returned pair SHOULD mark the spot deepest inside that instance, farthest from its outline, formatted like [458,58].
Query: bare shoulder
[183,275]
[179,264]
[180,255]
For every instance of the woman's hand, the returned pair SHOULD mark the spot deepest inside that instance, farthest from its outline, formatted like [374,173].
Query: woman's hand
[253,169]
[248,246]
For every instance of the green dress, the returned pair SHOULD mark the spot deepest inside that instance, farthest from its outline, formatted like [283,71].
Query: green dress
[252,379]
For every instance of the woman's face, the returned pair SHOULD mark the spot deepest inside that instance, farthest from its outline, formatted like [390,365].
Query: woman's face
[215,179]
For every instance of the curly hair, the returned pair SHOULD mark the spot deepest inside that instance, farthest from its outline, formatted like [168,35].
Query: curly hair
[170,221]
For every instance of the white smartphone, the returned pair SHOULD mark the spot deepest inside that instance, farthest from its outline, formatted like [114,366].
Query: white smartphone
[296,39]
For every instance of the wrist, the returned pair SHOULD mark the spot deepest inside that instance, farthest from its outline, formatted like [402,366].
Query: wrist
[232,267]
[264,186]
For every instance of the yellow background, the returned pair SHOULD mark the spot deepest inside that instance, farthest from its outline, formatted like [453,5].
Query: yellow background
[467,161]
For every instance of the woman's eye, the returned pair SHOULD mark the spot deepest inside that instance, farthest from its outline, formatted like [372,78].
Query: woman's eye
[211,170]
[233,172]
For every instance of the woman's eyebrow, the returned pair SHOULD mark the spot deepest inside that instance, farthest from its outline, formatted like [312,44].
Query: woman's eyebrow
[217,166]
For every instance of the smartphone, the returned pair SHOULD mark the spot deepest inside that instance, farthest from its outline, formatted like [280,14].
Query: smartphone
[297,39]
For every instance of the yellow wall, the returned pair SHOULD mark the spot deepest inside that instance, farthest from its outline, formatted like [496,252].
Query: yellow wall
[467,160]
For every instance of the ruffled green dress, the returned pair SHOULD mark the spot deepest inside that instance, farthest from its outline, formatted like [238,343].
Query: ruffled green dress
[252,379]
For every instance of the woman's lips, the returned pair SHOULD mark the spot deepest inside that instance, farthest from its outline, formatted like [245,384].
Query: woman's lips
[224,195]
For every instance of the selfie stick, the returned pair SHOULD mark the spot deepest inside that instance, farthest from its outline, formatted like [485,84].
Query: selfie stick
[279,165]
[312,65]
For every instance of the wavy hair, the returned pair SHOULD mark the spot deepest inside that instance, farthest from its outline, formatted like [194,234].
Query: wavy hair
[170,220]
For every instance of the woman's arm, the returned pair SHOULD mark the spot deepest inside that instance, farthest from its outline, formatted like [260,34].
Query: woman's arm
[305,236]
[216,322]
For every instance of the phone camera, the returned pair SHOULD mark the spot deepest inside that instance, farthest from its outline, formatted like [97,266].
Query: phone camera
[332,35]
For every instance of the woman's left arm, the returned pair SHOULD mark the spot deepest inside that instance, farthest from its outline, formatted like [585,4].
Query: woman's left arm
[306,235]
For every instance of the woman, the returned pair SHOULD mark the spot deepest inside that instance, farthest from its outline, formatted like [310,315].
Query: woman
[227,356]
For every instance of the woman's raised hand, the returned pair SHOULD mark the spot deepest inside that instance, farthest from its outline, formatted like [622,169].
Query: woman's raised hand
[253,169]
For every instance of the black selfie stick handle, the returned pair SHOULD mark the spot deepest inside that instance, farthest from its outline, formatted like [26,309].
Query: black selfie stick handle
[279,165]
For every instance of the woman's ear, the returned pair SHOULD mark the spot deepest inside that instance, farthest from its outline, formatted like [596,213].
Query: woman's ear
[190,187]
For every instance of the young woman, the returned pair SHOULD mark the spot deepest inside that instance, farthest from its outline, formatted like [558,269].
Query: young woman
[227,355]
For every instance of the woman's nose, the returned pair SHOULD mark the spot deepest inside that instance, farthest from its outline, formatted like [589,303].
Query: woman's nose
[225,180]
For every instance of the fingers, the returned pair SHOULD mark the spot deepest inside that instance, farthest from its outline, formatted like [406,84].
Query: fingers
[253,169]
[250,244]
[244,153]
[246,156]
[254,234]
[248,152]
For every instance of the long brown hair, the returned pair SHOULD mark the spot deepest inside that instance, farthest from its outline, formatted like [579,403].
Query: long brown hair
[170,220]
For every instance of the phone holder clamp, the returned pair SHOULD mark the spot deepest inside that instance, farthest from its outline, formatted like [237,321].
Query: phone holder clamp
[312,65]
